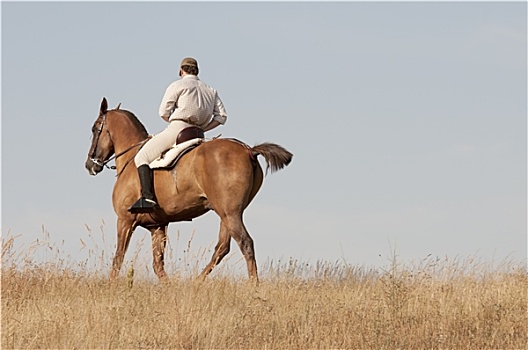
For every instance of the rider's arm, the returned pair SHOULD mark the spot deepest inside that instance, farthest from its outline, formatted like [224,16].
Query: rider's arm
[168,102]
[219,115]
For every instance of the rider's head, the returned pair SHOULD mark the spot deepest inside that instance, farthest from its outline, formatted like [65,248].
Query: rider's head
[189,66]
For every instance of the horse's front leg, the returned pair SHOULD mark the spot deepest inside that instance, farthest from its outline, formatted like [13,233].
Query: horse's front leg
[159,241]
[124,232]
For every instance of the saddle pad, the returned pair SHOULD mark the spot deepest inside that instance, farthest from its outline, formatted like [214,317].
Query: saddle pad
[168,158]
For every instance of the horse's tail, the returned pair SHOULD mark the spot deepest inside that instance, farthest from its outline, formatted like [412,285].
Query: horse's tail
[277,157]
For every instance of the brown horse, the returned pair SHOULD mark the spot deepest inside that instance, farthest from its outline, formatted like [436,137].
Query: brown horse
[220,175]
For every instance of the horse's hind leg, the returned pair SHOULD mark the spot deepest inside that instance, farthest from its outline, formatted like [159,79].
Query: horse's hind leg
[159,241]
[124,233]
[221,250]
[245,242]
[232,226]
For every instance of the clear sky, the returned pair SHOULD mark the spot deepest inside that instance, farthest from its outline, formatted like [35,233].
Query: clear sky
[407,121]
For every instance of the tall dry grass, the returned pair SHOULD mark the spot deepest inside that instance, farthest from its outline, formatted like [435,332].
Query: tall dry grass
[437,304]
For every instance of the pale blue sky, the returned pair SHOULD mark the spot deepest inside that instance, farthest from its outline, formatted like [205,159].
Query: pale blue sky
[407,120]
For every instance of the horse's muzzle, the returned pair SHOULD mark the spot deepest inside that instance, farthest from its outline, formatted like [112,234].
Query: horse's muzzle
[93,167]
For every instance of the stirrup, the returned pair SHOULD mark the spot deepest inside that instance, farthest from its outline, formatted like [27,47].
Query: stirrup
[143,205]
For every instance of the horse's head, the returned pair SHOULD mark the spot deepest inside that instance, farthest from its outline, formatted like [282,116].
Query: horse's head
[102,146]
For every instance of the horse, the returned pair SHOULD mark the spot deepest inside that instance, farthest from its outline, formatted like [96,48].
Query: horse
[221,174]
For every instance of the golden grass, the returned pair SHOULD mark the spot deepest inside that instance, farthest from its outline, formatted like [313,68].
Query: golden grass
[437,305]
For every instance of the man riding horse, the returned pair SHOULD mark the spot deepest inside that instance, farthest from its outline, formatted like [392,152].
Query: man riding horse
[187,102]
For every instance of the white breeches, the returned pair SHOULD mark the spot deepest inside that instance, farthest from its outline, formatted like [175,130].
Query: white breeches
[159,143]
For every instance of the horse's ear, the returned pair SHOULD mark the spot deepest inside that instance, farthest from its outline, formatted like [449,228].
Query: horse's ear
[104,106]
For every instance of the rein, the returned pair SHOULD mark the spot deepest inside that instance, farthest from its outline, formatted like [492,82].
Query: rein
[115,156]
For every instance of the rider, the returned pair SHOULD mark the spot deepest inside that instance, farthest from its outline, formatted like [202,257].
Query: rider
[187,102]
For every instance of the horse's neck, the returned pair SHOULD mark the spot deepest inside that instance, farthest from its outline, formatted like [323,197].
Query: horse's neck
[127,136]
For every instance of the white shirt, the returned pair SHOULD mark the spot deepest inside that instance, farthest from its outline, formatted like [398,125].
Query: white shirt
[192,101]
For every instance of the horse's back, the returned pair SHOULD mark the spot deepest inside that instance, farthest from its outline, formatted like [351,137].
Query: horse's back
[223,159]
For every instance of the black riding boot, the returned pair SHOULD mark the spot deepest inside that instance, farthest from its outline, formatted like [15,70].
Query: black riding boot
[147,202]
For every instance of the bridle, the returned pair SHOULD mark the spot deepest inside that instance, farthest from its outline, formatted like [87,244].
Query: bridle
[95,160]
[104,163]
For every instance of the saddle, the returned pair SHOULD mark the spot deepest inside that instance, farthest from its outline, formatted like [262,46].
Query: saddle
[188,139]
[192,132]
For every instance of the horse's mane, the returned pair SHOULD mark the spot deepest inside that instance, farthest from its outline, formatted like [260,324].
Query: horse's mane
[132,117]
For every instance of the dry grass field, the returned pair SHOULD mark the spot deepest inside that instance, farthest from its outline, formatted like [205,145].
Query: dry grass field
[436,305]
